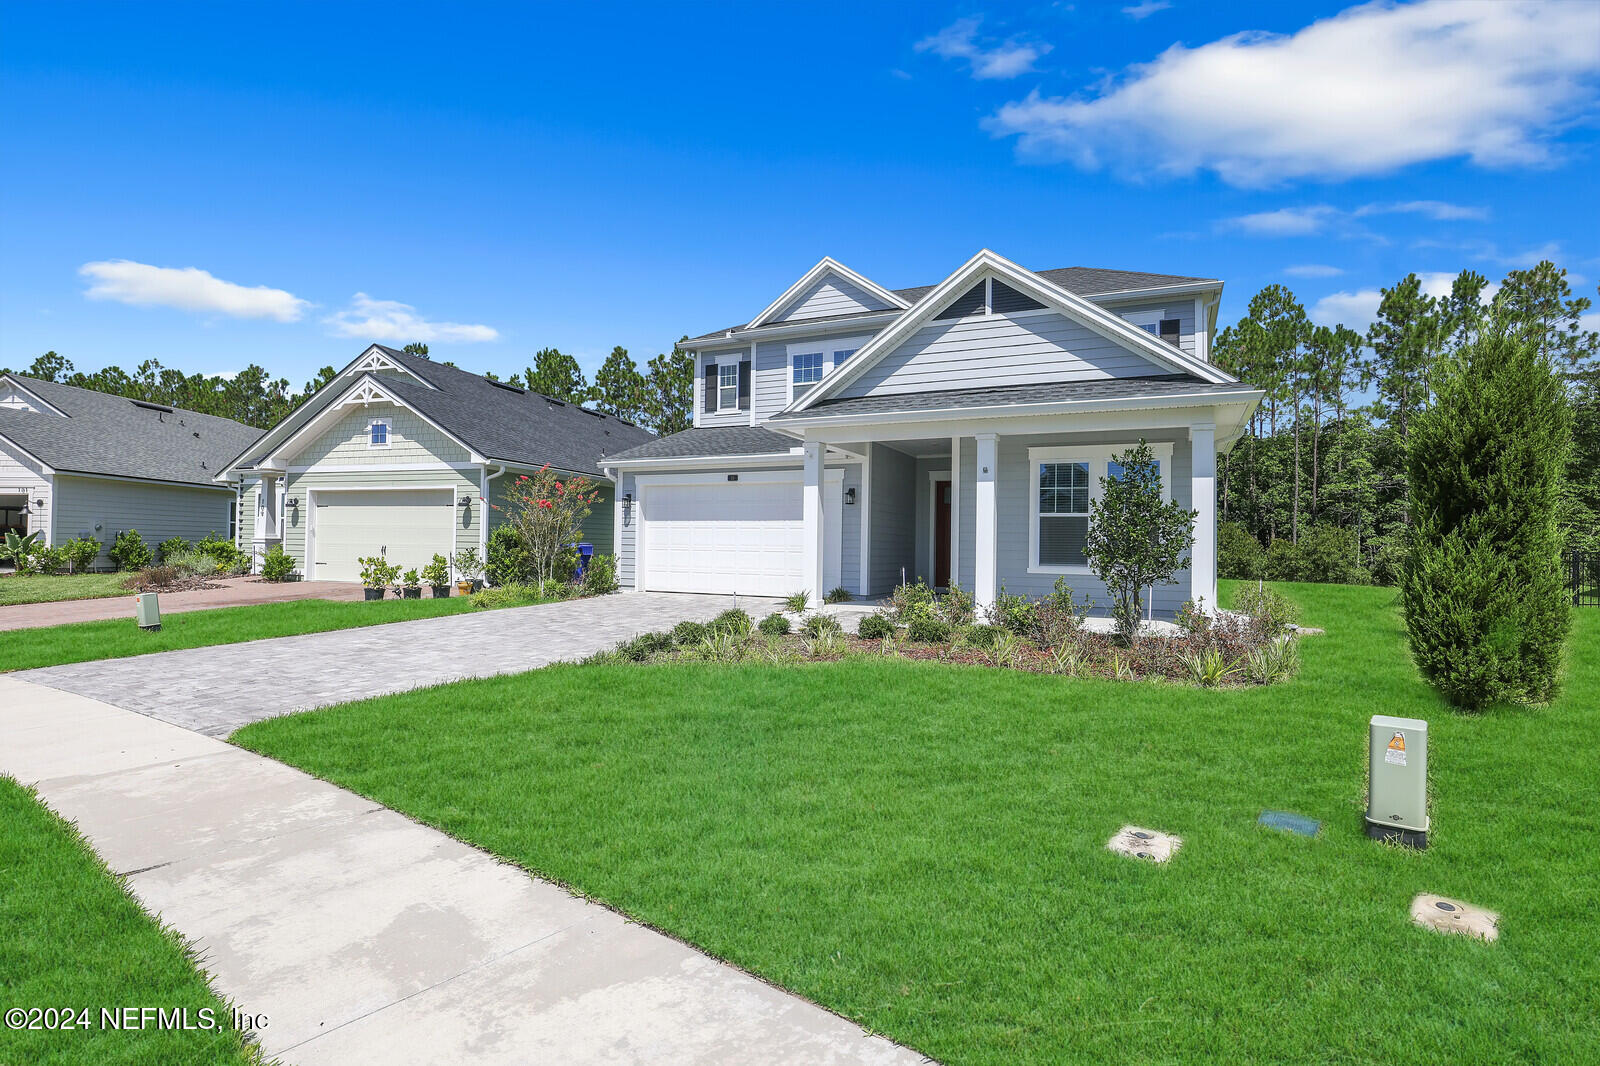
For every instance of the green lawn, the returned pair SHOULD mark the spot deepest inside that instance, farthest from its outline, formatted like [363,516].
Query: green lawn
[23,649]
[48,588]
[70,936]
[921,847]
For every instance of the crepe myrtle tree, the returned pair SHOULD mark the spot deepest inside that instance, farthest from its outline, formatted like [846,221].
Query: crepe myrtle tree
[1136,540]
[547,511]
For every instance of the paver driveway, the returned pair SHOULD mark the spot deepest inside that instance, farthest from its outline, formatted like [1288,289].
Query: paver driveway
[218,689]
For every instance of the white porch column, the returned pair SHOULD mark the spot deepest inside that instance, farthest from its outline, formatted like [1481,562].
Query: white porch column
[955,512]
[1203,499]
[814,524]
[984,546]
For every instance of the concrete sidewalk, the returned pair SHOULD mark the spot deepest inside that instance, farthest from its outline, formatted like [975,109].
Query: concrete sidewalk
[367,938]
[235,592]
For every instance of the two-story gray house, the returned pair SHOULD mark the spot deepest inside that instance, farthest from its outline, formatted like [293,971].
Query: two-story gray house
[852,435]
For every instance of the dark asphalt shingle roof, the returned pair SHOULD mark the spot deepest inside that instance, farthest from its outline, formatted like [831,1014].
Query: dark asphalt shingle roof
[1082,281]
[727,440]
[112,435]
[1056,392]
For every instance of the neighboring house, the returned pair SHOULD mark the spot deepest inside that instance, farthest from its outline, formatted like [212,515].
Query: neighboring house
[80,463]
[402,457]
[850,434]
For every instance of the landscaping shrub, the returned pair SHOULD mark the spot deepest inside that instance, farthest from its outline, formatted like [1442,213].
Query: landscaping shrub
[130,552]
[797,601]
[687,634]
[437,572]
[468,566]
[49,560]
[820,625]
[1135,539]
[277,564]
[923,626]
[600,576]
[509,562]
[377,572]
[19,549]
[775,625]
[545,512]
[156,577]
[982,636]
[1018,614]
[732,621]
[875,626]
[1387,560]
[957,606]
[1058,617]
[1326,553]
[642,647]
[553,589]
[170,547]
[1267,607]
[1239,554]
[227,554]
[192,563]
[906,597]
[1192,619]
[1483,590]
[837,594]
[504,596]
[81,552]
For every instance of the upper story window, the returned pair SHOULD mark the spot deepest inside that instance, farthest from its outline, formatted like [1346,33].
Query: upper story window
[378,433]
[841,355]
[1159,324]
[805,371]
[727,386]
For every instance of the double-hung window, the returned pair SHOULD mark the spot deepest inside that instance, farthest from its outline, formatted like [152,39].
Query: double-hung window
[1065,482]
[728,386]
[805,371]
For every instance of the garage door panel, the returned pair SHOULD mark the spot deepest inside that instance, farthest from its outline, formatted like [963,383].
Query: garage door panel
[407,526]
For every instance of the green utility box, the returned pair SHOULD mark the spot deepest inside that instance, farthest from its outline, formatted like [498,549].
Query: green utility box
[1397,780]
[147,611]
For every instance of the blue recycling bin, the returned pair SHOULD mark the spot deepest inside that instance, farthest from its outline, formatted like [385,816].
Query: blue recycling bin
[585,553]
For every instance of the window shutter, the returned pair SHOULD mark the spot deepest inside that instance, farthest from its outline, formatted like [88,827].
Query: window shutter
[711,389]
[1170,330]
[744,385]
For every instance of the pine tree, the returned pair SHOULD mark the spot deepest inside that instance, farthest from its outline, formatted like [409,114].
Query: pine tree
[669,393]
[1483,589]
[619,388]
[557,375]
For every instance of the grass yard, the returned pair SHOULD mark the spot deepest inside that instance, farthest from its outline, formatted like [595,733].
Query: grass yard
[921,847]
[49,588]
[24,649]
[70,936]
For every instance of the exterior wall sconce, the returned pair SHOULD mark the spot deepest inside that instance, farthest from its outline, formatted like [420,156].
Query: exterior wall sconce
[627,497]
[293,501]
[849,497]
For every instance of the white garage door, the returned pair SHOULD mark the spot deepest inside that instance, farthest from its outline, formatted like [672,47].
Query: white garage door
[744,537]
[406,526]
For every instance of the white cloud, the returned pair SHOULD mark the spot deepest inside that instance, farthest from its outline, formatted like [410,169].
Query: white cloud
[188,289]
[1312,270]
[390,320]
[1438,210]
[1358,309]
[1145,8]
[1374,88]
[1284,222]
[992,59]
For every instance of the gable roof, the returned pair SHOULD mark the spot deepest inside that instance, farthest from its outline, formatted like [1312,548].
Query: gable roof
[828,265]
[1091,315]
[711,441]
[99,433]
[1080,280]
[501,423]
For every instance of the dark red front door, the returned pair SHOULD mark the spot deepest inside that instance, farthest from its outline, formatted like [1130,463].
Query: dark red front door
[941,534]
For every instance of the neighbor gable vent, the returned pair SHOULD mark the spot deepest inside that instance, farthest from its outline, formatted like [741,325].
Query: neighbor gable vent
[1006,300]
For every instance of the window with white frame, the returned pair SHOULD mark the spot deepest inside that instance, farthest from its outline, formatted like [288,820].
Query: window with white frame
[1162,324]
[842,354]
[805,370]
[728,386]
[1065,484]
[378,433]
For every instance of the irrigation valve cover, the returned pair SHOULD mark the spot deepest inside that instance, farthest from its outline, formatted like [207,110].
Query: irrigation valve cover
[1397,781]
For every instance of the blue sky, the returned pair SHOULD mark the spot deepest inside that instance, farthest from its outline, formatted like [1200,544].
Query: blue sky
[214,185]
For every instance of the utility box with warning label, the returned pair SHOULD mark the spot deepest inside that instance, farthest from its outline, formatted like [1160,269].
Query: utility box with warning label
[147,611]
[1397,780]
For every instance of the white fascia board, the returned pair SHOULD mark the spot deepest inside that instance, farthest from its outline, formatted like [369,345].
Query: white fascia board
[372,385]
[828,265]
[1245,401]
[1089,314]
[40,400]
[1156,292]
[805,327]
[639,466]
[198,486]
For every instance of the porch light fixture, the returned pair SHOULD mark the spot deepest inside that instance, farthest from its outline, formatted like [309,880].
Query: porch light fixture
[849,497]
[293,501]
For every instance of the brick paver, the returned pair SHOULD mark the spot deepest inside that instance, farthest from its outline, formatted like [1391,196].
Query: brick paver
[218,689]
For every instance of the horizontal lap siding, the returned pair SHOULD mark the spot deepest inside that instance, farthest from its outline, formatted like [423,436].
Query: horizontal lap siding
[20,475]
[726,416]
[894,518]
[771,378]
[990,351]
[850,531]
[831,296]
[158,512]
[630,528]
[1181,309]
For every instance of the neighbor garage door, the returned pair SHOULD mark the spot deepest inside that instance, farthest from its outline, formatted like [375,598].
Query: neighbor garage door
[407,526]
[745,537]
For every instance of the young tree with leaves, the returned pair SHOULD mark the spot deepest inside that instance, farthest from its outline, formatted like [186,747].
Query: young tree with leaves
[1135,539]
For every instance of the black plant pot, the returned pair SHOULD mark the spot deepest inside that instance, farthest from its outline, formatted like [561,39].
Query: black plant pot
[374,594]
[441,592]
[413,594]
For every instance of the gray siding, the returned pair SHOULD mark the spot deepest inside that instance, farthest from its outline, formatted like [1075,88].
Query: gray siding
[101,508]
[831,295]
[724,417]
[1182,309]
[596,528]
[21,476]
[995,350]
[894,518]
[626,553]
[771,378]
[850,533]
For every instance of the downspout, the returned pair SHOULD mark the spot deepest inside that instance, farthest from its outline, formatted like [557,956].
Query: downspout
[484,477]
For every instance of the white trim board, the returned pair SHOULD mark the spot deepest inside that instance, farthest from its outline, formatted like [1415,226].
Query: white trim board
[827,265]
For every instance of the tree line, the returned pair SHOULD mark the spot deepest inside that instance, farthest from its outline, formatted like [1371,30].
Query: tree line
[659,398]
[1318,488]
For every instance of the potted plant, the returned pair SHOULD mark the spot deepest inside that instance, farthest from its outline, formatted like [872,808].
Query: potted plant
[376,575]
[411,585]
[437,576]
[469,570]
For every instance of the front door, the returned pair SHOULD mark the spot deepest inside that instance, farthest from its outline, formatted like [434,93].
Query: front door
[941,534]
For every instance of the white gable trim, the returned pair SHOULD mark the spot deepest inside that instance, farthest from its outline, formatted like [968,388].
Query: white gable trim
[375,359]
[34,396]
[1090,315]
[368,390]
[828,265]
